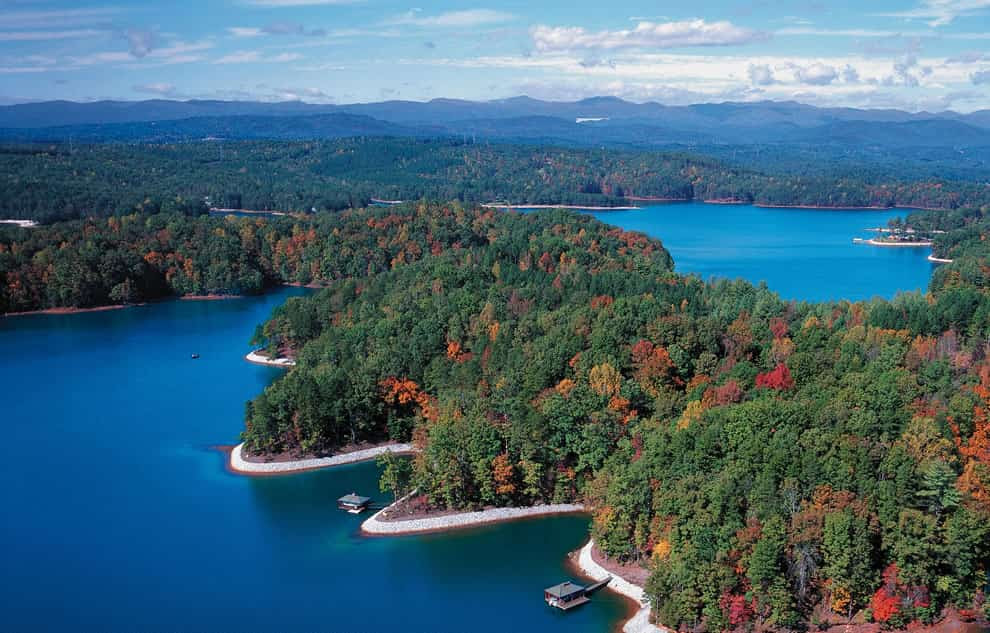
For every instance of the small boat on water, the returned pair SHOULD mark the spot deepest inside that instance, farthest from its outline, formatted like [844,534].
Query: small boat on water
[194,356]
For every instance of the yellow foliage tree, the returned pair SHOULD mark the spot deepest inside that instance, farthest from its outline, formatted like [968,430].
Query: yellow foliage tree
[605,380]
[692,413]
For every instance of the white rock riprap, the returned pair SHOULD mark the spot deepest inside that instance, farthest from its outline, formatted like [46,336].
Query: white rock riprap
[375,525]
[261,359]
[241,465]
[24,224]
[639,623]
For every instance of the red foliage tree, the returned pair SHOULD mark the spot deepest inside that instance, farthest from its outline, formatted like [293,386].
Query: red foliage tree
[735,608]
[729,393]
[778,327]
[778,378]
[884,605]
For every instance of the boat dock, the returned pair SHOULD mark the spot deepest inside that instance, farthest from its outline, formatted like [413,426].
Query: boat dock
[353,503]
[568,595]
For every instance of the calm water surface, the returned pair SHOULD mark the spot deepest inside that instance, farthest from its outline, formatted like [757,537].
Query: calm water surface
[118,516]
[804,254]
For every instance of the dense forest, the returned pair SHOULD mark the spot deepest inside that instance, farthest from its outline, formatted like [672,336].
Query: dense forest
[135,258]
[774,465]
[54,182]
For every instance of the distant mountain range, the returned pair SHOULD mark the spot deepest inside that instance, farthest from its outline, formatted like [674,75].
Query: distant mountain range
[605,120]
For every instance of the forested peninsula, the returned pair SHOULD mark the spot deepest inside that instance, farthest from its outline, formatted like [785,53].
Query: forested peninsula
[774,465]
[60,181]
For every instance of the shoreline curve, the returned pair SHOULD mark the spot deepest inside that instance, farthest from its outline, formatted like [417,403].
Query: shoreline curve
[640,622]
[574,207]
[241,466]
[373,526]
[260,359]
[874,242]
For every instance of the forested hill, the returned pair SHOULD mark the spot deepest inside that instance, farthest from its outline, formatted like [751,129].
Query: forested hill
[775,466]
[64,182]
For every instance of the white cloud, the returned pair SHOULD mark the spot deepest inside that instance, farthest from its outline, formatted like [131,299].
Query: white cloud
[38,36]
[645,35]
[239,57]
[249,57]
[275,28]
[244,31]
[453,19]
[55,19]
[869,33]
[163,89]
[941,12]
[817,74]
[761,74]
[295,3]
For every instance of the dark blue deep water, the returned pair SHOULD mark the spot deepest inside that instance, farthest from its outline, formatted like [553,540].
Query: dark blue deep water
[118,515]
[804,254]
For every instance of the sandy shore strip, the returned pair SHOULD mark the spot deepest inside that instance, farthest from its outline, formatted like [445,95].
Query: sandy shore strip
[376,527]
[576,207]
[939,260]
[73,310]
[24,224]
[766,205]
[872,242]
[639,623]
[260,359]
[240,465]
[247,211]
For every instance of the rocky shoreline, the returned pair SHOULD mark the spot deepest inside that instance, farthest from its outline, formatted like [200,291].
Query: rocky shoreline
[640,622]
[576,207]
[376,526]
[239,464]
[260,359]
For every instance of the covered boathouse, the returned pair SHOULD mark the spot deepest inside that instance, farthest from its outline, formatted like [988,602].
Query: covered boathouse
[566,595]
[353,503]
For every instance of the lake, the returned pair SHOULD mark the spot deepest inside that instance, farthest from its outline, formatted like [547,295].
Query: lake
[119,516]
[804,254]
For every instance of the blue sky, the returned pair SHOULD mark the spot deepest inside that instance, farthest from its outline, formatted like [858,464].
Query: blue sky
[910,54]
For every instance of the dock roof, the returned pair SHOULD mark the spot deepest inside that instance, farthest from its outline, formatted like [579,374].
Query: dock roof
[564,589]
[353,499]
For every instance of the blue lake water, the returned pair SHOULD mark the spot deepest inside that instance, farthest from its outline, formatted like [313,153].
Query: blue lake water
[118,515]
[804,254]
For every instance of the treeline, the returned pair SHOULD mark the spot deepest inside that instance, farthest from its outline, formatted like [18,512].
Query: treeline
[774,465]
[140,257]
[57,182]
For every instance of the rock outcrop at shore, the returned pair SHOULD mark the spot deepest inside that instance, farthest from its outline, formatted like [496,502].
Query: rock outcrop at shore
[240,465]
[639,623]
[378,527]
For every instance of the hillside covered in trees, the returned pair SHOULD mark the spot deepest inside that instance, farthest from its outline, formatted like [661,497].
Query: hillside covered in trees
[54,182]
[774,465]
